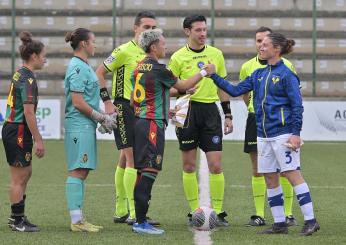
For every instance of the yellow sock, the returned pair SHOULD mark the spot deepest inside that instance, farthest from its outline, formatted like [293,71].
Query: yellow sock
[130,177]
[287,190]
[191,189]
[258,192]
[121,201]
[217,191]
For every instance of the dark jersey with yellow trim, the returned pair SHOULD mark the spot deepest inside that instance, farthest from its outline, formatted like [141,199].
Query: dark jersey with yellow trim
[23,90]
[121,63]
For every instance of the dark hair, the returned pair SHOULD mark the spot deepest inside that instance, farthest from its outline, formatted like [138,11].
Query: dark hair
[29,46]
[143,14]
[280,40]
[264,29]
[189,20]
[76,36]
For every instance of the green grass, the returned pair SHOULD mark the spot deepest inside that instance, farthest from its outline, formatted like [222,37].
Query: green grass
[323,167]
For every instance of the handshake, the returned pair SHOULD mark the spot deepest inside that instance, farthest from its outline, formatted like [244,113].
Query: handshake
[108,121]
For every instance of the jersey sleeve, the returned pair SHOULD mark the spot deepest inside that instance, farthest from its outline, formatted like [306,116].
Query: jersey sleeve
[167,77]
[242,73]
[173,66]
[221,67]
[78,80]
[28,90]
[115,60]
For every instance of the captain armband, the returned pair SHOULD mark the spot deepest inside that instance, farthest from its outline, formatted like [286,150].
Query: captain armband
[104,94]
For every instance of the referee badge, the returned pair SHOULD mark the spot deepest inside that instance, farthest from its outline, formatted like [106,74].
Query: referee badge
[216,139]
[85,157]
[28,156]
[200,64]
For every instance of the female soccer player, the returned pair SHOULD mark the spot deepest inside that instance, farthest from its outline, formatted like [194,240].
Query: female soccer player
[279,117]
[82,114]
[20,128]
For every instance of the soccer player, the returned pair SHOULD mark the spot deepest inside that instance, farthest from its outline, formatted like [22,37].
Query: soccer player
[82,114]
[203,127]
[121,63]
[250,143]
[20,128]
[152,82]
[279,117]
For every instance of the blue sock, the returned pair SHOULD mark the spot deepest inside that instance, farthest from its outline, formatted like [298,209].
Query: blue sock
[276,203]
[303,195]
[74,193]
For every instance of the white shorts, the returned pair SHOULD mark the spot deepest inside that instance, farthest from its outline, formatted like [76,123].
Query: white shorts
[274,156]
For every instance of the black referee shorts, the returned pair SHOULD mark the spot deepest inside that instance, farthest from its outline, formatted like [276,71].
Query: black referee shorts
[202,128]
[123,134]
[250,142]
[18,143]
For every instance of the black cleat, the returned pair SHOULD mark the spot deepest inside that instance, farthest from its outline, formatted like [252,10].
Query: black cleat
[121,219]
[256,220]
[277,228]
[23,225]
[291,221]
[221,221]
[309,227]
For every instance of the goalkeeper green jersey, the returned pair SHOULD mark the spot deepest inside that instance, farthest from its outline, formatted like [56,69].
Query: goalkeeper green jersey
[252,65]
[185,63]
[121,63]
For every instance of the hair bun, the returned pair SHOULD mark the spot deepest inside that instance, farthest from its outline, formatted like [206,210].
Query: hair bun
[25,37]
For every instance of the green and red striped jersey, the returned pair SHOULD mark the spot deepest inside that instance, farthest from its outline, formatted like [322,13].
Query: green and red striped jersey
[23,90]
[152,81]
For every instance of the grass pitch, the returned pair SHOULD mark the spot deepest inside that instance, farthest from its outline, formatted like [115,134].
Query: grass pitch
[323,167]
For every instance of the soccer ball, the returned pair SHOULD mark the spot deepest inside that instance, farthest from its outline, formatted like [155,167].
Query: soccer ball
[204,219]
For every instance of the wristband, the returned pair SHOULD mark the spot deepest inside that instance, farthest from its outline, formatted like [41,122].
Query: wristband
[203,73]
[104,94]
[226,107]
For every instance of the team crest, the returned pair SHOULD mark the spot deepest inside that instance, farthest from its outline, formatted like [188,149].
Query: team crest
[158,159]
[85,157]
[216,139]
[20,140]
[152,135]
[275,79]
[28,156]
[30,80]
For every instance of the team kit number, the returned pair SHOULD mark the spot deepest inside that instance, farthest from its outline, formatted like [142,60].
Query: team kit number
[138,91]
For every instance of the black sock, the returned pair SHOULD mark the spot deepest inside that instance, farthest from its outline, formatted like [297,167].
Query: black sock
[18,210]
[142,195]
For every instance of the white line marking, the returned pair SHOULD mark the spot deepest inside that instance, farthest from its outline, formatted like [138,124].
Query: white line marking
[203,237]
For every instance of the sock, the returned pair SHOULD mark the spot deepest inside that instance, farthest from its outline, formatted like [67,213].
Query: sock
[258,192]
[303,195]
[76,216]
[191,189]
[121,201]
[17,210]
[217,190]
[276,203]
[74,193]
[130,177]
[287,190]
[142,195]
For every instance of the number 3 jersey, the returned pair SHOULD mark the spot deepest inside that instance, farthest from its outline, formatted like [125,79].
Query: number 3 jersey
[152,81]
[23,90]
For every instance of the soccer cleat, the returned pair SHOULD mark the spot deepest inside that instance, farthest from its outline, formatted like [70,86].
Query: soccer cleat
[83,227]
[146,228]
[309,227]
[92,226]
[23,225]
[121,219]
[256,220]
[277,228]
[291,221]
[10,222]
[131,221]
[189,219]
[221,221]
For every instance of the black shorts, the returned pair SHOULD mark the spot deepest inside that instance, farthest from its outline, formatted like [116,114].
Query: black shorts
[202,128]
[17,140]
[250,142]
[123,134]
[149,144]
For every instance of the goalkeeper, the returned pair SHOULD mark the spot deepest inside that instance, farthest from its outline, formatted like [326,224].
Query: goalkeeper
[82,114]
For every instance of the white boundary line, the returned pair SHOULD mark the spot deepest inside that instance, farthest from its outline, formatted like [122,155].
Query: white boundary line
[203,237]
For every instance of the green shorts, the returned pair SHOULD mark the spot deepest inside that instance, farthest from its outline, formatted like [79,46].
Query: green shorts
[81,150]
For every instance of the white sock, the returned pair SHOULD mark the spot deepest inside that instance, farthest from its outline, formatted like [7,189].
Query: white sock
[303,195]
[76,216]
[276,203]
